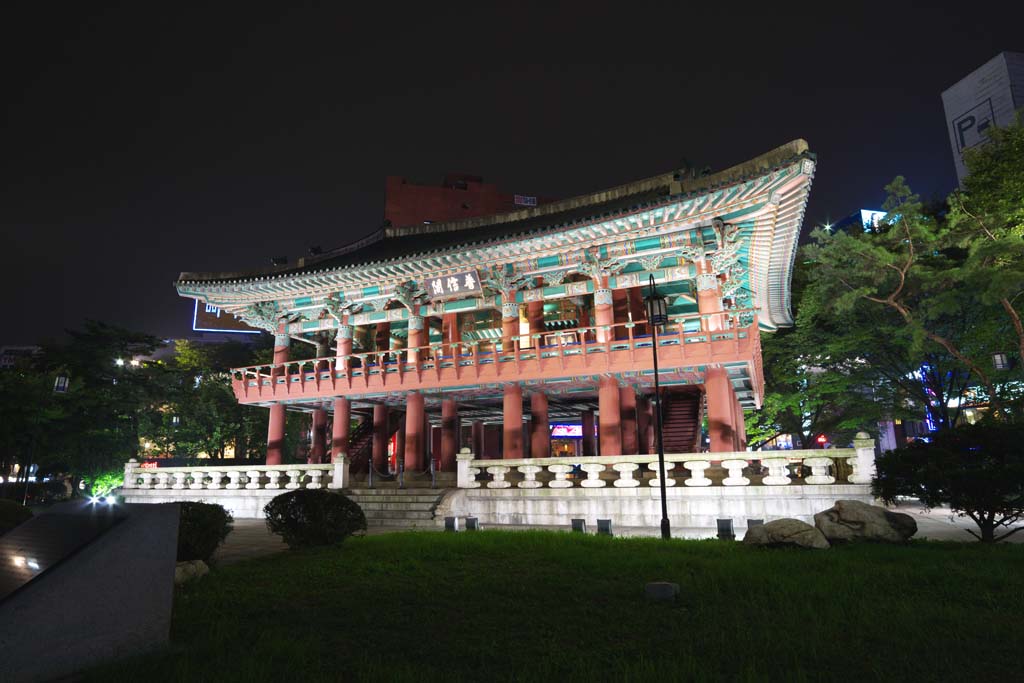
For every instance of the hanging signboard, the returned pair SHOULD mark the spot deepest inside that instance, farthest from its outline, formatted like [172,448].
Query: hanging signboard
[464,284]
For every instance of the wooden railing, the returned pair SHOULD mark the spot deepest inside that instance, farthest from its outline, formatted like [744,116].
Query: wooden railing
[550,354]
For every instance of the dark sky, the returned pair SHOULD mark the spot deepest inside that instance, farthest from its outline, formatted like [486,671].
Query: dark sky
[140,142]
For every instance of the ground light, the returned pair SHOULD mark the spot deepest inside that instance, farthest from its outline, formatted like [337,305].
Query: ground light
[657,314]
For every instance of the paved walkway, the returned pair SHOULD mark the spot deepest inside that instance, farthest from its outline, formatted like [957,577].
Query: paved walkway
[251,538]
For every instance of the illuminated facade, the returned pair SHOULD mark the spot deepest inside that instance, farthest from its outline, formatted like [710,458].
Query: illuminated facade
[483,332]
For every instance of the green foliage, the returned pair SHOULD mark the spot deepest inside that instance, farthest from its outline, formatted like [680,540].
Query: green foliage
[311,517]
[977,470]
[202,527]
[102,485]
[12,514]
[476,593]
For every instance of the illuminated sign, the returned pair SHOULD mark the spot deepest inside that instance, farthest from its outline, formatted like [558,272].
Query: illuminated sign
[457,284]
[523,200]
[870,219]
[209,318]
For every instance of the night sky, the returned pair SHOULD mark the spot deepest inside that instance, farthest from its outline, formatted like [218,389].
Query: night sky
[139,143]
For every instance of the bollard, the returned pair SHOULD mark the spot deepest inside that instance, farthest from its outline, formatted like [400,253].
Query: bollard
[604,527]
[725,531]
[451,523]
[579,525]
[473,524]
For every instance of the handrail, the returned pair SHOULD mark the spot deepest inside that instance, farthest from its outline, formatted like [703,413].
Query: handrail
[431,354]
[795,455]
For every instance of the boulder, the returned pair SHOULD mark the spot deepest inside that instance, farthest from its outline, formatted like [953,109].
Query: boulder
[852,520]
[780,532]
[192,569]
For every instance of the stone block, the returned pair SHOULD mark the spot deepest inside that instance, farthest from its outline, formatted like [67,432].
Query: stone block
[780,532]
[851,520]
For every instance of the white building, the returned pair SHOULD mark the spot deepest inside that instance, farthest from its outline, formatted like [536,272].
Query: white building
[988,96]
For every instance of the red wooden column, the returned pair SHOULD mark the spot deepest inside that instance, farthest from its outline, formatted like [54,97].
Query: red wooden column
[318,447]
[604,315]
[415,431]
[628,419]
[275,425]
[540,431]
[644,425]
[450,333]
[709,296]
[535,315]
[609,418]
[449,434]
[379,447]
[512,448]
[509,321]
[416,338]
[720,400]
[477,439]
[589,445]
[340,428]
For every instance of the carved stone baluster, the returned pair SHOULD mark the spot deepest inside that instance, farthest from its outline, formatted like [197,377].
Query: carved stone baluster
[215,478]
[819,471]
[561,480]
[593,480]
[161,480]
[233,477]
[656,481]
[697,477]
[735,477]
[498,472]
[529,473]
[274,477]
[625,470]
[197,479]
[315,475]
[294,479]
[778,472]
[146,480]
[254,479]
[179,480]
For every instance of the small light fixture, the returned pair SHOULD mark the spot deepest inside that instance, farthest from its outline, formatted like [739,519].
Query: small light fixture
[119,362]
[134,363]
[1001,361]
[657,308]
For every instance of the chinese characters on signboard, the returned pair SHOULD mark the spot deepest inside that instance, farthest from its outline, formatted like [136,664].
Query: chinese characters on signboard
[523,200]
[454,285]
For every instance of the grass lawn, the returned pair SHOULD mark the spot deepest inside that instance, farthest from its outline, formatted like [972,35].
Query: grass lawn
[549,606]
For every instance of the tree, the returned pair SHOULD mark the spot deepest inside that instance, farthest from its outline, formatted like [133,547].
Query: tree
[913,267]
[977,470]
[987,220]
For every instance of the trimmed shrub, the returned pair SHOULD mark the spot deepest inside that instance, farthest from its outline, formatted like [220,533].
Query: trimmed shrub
[310,517]
[12,514]
[202,528]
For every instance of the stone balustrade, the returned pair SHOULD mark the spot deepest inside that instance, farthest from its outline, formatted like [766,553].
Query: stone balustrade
[236,478]
[775,468]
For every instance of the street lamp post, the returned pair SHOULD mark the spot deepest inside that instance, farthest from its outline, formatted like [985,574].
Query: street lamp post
[657,314]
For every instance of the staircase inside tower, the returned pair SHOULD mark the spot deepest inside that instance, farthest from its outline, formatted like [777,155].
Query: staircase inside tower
[360,440]
[683,409]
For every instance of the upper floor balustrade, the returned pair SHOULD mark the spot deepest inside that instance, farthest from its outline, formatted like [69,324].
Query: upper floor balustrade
[685,343]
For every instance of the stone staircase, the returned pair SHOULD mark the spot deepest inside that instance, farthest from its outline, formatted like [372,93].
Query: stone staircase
[386,505]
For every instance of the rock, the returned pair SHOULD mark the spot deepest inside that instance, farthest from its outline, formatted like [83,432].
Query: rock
[851,520]
[192,569]
[786,532]
[661,591]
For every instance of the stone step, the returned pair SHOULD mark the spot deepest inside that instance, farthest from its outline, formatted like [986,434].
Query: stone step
[397,500]
[403,523]
[378,507]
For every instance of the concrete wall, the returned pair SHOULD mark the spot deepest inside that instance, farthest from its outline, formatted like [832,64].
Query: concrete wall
[241,503]
[691,509]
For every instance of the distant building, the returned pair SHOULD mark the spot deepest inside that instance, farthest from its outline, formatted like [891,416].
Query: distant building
[12,356]
[988,96]
[459,196]
[858,221]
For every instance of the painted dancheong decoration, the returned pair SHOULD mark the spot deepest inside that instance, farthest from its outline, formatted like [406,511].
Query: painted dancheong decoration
[485,331]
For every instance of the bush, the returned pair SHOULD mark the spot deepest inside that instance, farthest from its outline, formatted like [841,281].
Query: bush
[202,528]
[977,470]
[309,517]
[12,514]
